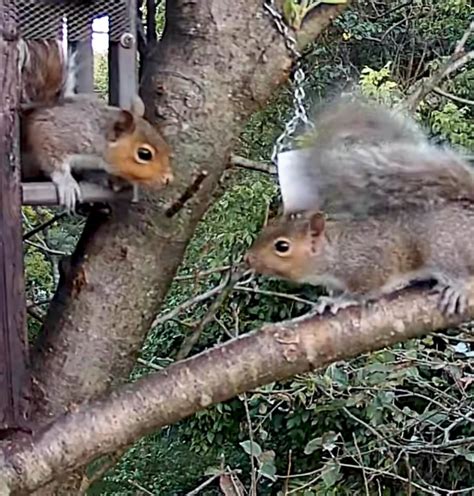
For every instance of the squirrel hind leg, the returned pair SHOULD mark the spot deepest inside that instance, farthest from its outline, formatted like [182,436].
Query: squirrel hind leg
[69,192]
[453,298]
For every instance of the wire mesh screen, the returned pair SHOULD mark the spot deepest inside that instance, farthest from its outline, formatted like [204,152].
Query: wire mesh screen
[44,19]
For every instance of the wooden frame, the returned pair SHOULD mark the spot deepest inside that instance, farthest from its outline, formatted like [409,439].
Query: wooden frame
[14,377]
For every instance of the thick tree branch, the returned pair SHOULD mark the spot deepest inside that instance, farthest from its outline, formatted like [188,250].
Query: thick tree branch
[274,352]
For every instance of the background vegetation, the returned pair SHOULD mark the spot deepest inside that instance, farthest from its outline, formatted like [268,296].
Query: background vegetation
[396,422]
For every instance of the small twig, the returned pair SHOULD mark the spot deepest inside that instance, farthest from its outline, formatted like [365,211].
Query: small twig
[141,488]
[391,11]
[46,249]
[385,473]
[253,482]
[187,304]
[395,26]
[204,273]
[452,97]
[245,163]
[364,424]
[149,364]
[224,328]
[408,467]
[457,60]
[35,314]
[239,287]
[361,462]
[286,484]
[203,485]
[43,226]
[190,191]
[193,337]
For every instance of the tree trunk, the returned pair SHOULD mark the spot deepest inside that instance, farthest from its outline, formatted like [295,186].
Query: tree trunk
[217,63]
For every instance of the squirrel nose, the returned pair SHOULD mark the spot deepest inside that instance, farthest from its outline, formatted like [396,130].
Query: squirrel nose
[167,178]
[248,258]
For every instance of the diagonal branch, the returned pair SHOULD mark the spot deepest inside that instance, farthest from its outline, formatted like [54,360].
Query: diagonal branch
[274,352]
[458,59]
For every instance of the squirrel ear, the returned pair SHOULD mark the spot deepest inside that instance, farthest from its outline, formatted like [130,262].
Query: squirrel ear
[125,124]
[137,106]
[317,223]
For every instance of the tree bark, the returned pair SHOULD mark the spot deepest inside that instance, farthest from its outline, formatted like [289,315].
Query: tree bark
[274,352]
[216,64]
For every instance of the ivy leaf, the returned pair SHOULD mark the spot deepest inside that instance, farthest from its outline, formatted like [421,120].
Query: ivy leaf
[268,470]
[291,12]
[251,448]
[313,445]
[469,457]
[330,473]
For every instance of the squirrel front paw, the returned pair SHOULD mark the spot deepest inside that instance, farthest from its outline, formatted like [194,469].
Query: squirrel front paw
[334,304]
[69,192]
[453,300]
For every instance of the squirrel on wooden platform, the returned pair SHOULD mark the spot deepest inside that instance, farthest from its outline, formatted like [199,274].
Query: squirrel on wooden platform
[63,132]
[374,207]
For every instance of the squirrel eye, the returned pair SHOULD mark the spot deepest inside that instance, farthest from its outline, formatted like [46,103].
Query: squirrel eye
[282,246]
[144,154]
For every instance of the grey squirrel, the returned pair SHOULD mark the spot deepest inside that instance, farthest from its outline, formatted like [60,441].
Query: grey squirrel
[64,133]
[378,207]
[84,133]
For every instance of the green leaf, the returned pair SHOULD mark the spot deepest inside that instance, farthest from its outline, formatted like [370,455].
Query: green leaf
[469,457]
[251,448]
[313,445]
[213,471]
[328,440]
[330,473]
[268,470]
[290,11]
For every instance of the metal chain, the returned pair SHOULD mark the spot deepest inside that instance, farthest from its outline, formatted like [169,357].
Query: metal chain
[299,95]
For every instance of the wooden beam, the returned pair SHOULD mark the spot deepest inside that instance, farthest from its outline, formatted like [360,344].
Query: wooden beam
[14,376]
[45,193]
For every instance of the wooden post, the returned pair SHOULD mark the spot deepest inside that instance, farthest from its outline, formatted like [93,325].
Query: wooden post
[122,61]
[14,378]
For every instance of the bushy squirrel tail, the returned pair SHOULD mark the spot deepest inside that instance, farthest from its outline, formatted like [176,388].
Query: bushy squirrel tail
[368,160]
[48,72]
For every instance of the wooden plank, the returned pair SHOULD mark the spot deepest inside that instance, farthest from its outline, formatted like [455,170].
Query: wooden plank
[14,375]
[45,193]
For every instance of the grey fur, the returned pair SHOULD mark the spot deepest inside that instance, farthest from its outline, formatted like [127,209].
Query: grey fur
[368,160]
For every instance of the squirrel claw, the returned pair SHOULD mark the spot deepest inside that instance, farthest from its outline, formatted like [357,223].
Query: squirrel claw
[333,304]
[69,192]
[452,300]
